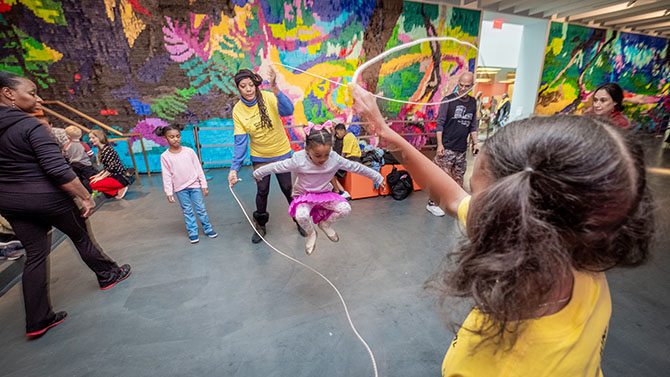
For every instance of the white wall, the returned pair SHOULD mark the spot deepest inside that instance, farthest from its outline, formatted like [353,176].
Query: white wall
[529,69]
[500,47]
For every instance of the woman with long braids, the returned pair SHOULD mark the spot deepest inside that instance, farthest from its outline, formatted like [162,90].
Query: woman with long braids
[258,126]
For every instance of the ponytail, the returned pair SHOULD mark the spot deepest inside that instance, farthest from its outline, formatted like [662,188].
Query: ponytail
[514,256]
[262,109]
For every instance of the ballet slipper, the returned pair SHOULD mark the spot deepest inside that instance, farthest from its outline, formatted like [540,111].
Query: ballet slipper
[330,232]
[311,242]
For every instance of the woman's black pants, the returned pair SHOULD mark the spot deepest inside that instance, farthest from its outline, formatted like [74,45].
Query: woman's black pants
[263,189]
[31,217]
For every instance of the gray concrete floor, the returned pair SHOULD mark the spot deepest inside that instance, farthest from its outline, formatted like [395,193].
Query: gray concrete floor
[226,307]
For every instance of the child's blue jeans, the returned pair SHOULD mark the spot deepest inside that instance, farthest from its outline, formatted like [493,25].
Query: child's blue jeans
[189,198]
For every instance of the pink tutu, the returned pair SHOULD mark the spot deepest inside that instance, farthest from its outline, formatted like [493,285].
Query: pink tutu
[319,213]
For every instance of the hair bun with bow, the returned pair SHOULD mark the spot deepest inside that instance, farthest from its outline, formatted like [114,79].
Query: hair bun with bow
[316,127]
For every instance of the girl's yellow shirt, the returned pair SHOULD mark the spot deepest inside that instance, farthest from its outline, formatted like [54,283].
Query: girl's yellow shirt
[567,343]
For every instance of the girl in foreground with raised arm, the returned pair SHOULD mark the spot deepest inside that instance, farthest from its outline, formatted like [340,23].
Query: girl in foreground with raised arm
[555,202]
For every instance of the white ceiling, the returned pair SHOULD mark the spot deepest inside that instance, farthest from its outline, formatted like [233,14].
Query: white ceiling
[650,17]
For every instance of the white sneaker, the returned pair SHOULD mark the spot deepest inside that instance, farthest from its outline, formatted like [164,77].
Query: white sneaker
[435,210]
[346,195]
[122,193]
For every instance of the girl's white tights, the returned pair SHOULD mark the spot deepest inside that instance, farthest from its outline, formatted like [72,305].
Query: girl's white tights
[302,214]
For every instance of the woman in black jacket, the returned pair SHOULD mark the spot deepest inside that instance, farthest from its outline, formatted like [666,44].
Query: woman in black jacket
[36,190]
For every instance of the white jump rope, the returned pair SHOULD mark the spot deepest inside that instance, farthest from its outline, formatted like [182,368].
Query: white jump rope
[354,78]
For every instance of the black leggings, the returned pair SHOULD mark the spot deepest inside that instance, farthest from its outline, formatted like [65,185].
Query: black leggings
[263,188]
[32,228]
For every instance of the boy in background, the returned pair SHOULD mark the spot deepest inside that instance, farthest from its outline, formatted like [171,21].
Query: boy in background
[76,154]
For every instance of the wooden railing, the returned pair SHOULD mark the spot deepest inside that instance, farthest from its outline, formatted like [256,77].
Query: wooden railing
[117,135]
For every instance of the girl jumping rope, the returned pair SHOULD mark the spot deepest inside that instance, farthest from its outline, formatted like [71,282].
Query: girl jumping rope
[313,194]
[555,202]
[183,177]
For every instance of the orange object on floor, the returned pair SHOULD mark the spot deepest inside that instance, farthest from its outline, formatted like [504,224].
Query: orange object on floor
[385,170]
[358,186]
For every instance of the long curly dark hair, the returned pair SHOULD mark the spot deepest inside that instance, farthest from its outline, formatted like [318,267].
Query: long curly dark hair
[257,80]
[567,192]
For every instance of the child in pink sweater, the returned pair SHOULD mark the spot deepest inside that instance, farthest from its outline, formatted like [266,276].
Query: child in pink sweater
[313,194]
[183,177]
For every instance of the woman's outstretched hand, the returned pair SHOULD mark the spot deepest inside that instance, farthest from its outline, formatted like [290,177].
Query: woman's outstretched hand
[272,77]
[232,178]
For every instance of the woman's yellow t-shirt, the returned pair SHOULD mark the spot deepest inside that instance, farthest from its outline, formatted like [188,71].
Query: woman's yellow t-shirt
[263,142]
[567,343]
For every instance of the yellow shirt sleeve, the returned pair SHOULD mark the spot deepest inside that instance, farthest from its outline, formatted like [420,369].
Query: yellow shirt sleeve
[463,208]
[350,147]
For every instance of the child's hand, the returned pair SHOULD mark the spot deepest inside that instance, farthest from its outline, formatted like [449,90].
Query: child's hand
[366,105]
[170,198]
[205,191]
[382,186]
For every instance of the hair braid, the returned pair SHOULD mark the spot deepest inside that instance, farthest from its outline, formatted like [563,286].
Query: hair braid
[262,109]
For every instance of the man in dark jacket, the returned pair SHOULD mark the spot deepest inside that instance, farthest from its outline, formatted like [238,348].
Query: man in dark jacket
[456,120]
[503,111]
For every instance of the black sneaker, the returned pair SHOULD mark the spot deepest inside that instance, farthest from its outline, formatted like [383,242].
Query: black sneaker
[125,272]
[60,317]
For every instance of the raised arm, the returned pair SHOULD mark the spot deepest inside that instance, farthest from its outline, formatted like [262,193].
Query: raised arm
[284,104]
[440,186]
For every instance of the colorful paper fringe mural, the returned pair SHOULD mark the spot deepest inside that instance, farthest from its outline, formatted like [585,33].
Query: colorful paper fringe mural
[140,64]
[578,59]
